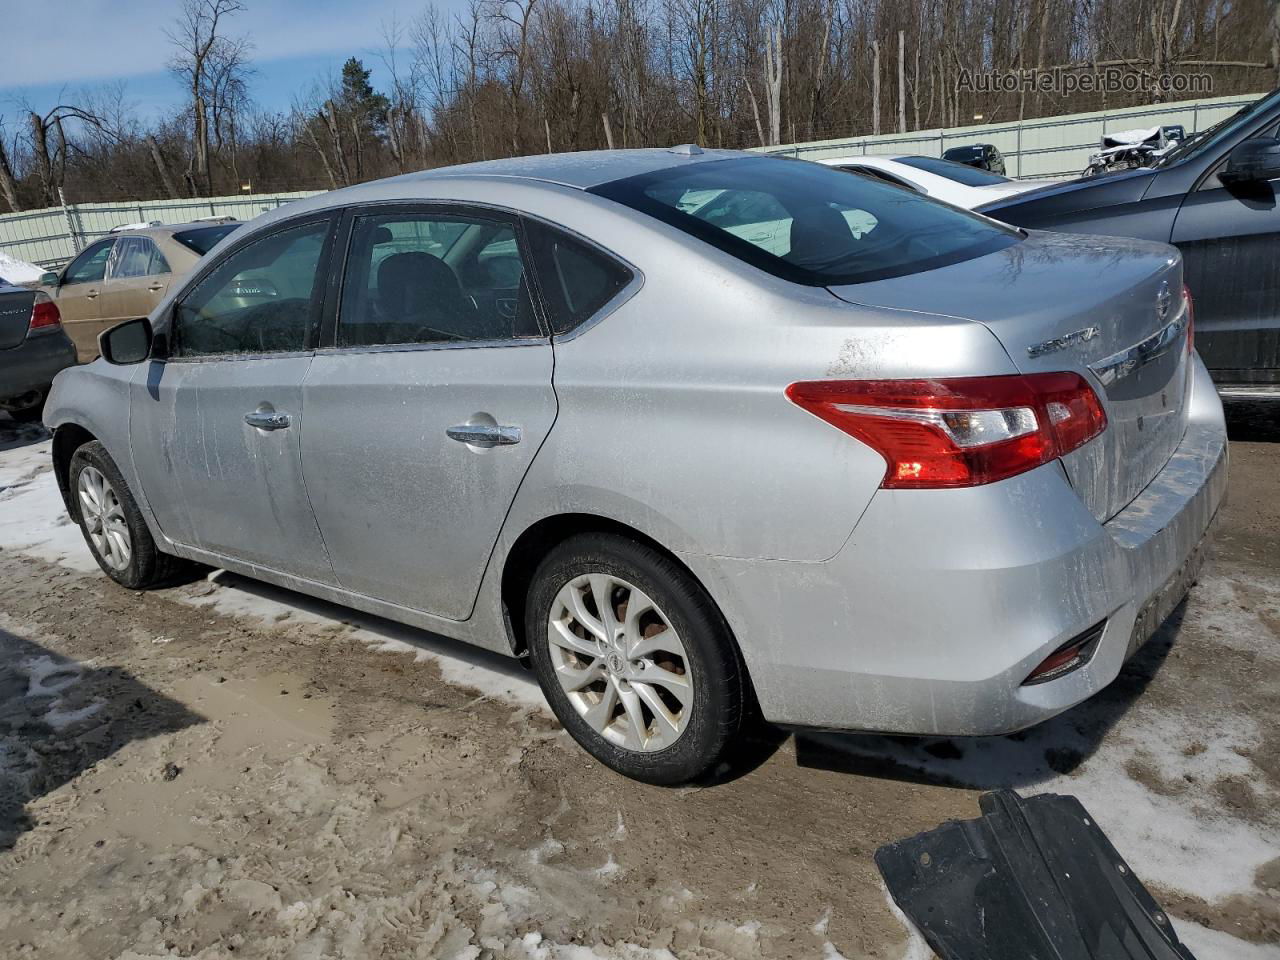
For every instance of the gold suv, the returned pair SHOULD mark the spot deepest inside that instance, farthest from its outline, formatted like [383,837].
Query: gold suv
[124,275]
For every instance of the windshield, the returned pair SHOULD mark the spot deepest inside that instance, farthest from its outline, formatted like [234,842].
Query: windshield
[1198,143]
[959,172]
[809,223]
[204,239]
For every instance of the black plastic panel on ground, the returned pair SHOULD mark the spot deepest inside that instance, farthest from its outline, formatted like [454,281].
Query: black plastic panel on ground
[1032,879]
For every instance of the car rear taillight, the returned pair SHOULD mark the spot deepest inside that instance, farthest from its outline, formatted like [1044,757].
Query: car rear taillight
[1191,318]
[962,431]
[44,314]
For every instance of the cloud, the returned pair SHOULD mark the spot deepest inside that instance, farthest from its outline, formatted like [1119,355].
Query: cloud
[74,42]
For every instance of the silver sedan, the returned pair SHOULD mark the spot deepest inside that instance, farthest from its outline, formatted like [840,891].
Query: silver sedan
[693,432]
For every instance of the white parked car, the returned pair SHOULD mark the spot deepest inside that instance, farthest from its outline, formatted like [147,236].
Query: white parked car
[954,183]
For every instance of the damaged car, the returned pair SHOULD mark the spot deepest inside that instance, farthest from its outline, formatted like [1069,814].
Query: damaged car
[821,449]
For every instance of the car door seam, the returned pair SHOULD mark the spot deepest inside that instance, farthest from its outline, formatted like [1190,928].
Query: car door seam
[502,527]
[302,469]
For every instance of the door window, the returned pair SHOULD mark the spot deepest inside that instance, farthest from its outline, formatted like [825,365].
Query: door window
[427,278]
[262,298]
[577,279]
[136,257]
[90,266]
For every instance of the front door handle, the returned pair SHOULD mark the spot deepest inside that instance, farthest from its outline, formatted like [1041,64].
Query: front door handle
[91,295]
[267,420]
[484,434]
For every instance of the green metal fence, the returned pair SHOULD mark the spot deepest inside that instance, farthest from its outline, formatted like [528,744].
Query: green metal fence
[54,235]
[1043,147]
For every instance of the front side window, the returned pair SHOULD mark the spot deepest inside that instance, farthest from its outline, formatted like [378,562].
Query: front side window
[263,298]
[90,266]
[819,226]
[415,278]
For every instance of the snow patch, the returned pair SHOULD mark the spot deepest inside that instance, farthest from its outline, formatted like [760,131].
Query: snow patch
[18,271]
[916,948]
[33,518]
[1212,944]
[819,927]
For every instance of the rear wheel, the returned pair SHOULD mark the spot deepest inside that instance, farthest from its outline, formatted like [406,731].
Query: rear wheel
[634,658]
[112,524]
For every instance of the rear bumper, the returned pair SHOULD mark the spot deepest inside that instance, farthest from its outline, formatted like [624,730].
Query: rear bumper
[942,602]
[34,363]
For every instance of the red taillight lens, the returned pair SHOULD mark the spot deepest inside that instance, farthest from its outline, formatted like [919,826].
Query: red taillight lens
[959,432]
[44,314]
[1191,318]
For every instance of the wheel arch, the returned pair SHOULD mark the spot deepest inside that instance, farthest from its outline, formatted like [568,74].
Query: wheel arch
[539,538]
[67,439]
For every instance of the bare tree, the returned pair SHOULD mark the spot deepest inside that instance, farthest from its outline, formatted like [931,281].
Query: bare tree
[211,66]
[8,185]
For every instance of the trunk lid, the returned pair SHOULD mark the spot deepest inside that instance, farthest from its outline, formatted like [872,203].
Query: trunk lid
[1109,309]
[15,315]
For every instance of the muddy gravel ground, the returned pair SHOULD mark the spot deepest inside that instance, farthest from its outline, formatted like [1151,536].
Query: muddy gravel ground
[223,769]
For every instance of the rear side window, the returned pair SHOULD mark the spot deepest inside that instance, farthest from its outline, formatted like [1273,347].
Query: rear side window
[820,227]
[137,257]
[262,298]
[417,278]
[577,279]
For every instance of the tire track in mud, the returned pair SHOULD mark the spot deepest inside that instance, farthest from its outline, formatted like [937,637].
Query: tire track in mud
[350,802]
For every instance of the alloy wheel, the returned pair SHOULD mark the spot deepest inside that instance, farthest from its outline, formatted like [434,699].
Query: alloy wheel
[103,518]
[620,662]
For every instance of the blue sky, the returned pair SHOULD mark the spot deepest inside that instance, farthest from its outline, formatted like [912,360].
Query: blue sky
[65,45]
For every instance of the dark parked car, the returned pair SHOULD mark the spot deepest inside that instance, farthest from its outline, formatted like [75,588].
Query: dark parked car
[1214,196]
[33,349]
[982,155]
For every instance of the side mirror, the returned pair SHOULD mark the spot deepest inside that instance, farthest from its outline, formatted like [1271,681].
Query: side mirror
[50,280]
[125,343]
[1253,161]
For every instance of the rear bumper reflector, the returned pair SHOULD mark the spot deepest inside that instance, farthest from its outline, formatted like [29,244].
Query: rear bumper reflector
[1071,656]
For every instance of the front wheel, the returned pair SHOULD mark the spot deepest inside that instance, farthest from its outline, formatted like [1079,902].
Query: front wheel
[634,658]
[112,524]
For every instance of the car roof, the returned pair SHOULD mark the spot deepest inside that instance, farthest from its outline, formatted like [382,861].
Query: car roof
[583,170]
[169,229]
[882,159]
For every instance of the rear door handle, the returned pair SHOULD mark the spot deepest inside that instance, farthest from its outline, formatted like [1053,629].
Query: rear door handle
[91,294]
[267,420]
[156,287]
[484,434]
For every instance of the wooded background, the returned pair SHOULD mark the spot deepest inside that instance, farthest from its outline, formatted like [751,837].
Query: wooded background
[509,77]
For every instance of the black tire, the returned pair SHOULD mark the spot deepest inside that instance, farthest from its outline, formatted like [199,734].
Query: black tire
[28,414]
[718,676]
[148,566]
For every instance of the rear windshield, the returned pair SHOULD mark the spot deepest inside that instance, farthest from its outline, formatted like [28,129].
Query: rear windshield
[204,239]
[959,172]
[809,223]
